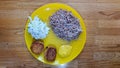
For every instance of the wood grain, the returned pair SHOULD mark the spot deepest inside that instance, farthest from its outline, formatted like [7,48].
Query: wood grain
[102,20]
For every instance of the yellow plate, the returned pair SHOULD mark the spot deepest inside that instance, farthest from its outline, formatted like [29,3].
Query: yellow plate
[44,13]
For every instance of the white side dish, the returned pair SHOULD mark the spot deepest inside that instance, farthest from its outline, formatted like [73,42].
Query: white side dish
[37,28]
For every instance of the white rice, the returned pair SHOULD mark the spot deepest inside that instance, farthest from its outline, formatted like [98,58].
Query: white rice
[37,28]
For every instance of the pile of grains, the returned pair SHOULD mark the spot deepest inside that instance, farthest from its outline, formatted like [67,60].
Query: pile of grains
[65,25]
[37,28]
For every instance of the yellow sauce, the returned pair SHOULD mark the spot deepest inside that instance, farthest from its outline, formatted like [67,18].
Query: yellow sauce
[65,50]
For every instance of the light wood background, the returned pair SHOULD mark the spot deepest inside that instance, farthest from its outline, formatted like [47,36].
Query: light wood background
[102,19]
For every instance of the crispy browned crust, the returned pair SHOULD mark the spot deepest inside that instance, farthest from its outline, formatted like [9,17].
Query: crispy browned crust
[37,47]
[50,53]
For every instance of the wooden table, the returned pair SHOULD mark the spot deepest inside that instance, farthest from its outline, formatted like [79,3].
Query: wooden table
[102,19]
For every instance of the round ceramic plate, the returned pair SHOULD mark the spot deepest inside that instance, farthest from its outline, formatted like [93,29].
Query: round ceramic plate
[44,13]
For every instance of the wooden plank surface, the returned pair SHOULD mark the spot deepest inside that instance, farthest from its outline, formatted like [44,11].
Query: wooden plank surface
[102,20]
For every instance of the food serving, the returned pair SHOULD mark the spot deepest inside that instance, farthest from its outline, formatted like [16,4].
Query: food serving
[65,50]
[65,25]
[50,53]
[37,28]
[37,47]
